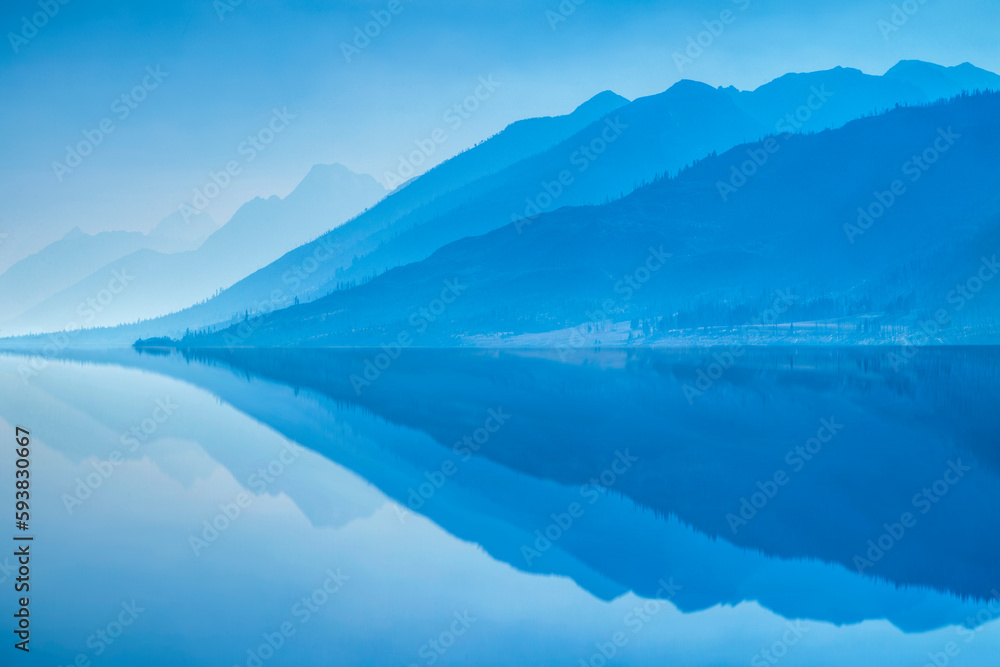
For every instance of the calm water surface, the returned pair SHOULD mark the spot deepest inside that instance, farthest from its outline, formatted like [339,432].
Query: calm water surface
[278,507]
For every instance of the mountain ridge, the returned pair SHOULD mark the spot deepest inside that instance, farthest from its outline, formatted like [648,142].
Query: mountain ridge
[553,271]
[428,213]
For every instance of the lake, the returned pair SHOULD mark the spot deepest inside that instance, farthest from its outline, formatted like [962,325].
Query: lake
[731,506]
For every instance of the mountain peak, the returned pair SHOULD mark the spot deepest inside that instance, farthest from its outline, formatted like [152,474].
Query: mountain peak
[332,169]
[911,65]
[601,103]
[938,81]
[74,233]
[690,86]
[326,175]
[838,74]
[326,180]
[685,91]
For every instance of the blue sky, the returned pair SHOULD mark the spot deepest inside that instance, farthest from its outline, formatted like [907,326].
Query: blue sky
[225,66]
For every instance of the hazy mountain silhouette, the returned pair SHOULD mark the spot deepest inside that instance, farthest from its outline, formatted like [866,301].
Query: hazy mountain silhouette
[794,225]
[542,164]
[440,190]
[660,134]
[937,81]
[651,136]
[77,255]
[260,231]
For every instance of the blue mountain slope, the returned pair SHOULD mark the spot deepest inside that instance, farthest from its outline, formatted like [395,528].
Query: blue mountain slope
[608,158]
[937,81]
[517,141]
[791,227]
[658,134]
[438,191]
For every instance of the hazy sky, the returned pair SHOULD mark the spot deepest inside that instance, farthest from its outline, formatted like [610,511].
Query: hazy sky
[225,66]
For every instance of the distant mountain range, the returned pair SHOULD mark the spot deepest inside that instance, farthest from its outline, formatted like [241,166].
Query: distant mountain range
[649,137]
[876,224]
[76,256]
[413,205]
[159,282]
[604,150]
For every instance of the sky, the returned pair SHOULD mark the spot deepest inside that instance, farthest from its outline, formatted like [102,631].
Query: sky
[164,94]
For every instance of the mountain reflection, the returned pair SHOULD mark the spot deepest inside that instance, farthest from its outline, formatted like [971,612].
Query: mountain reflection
[835,484]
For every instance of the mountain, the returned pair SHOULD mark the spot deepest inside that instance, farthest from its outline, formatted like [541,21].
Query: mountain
[604,150]
[259,232]
[153,283]
[604,160]
[937,81]
[828,99]
[517,141]
[175,233]
[77,255]
[421,199]
[856,222]
[814,101]
[264,229]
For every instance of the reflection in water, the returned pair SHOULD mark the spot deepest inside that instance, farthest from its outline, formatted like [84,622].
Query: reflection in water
[838,486]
